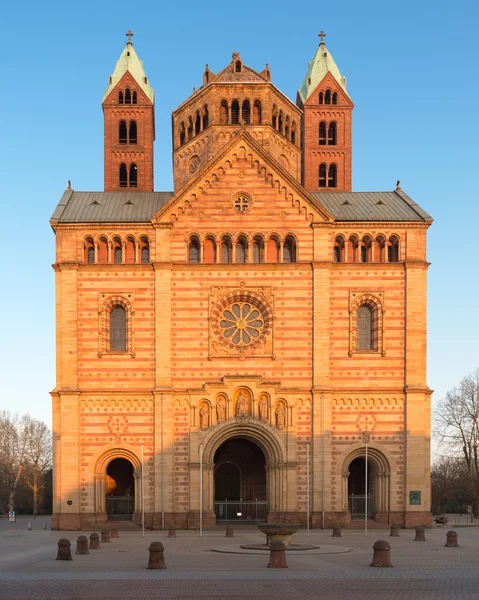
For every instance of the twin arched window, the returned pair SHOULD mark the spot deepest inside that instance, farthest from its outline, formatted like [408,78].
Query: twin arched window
[127,135]
[128,177]
[328,176]
[328,134]
[128,97]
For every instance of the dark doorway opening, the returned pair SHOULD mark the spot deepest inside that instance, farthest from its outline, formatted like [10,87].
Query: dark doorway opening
[120,490]
[357,489]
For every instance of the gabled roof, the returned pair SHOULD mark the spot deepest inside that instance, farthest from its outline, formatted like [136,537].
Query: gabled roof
[322,63]
[371,206]
[130,62]
[104,207]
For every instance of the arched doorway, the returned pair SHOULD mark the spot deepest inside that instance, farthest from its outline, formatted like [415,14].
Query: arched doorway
[240,485]
[358,488]
[120,489]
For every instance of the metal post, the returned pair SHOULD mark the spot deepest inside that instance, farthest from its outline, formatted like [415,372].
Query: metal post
[307,489]
[201,490]
[142,491]
[366,437]
[322,460]
[162,469]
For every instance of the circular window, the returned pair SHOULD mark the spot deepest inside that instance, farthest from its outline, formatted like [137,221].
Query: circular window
[242,202]
[241,323]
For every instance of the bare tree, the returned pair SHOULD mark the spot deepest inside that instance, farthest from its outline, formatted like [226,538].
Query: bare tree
[14,436]
[456,425]
[39,456]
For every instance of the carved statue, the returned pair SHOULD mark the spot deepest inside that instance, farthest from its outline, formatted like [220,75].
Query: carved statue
[280,416]
[221,409]
[263,407]
[242,405]
[204,416]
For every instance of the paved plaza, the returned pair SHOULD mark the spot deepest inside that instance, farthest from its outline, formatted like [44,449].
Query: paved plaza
[338,571]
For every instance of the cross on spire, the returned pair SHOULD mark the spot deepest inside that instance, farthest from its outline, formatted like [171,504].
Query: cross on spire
[321,35]
[129,35]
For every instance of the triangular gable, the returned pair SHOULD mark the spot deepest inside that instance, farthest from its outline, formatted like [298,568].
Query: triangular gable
[243,146]
[127,80]
[329,81]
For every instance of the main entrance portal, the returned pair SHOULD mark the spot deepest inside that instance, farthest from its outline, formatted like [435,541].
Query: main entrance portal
[120,489]
[240,482]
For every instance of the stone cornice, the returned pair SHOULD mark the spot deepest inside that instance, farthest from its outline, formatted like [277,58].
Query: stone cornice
[113,267]
[240,266]
[67,266]
[97,226]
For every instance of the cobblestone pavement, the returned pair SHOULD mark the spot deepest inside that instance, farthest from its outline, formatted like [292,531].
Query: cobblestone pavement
[424,570]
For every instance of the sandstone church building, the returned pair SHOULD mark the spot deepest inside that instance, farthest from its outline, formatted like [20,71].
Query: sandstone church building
[260,318]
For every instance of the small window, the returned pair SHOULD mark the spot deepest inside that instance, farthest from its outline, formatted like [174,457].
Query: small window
[120,97]
[197,123]
[246,112]
[205,118]
[122,132]
[322,133]
[194,251]
[289,249]
[226,250]
[118,329]
[393,249]
[135,96]
[133,133]
[257,112]
[118,255]
[280,121]
[366,249]
[130,251]
[332,176]
[123,175]
[133,176]
[238,66]
[322,175]
[258,249]
[365,327]
[91,255]
[127,96]
[103,251]
[235,112]
[190,128]
[327,97]
[182,134]
[224,112]
[241,250]
[335,97]
[339,249]
[209,250]
[332,134]
[272,250]
[145,255]
[321,97]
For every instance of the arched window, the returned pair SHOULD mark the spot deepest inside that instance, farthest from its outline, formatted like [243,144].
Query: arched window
[145,250]
[393,249]
[322,133]
[133,175]
[332,176]
[335,97]
[322,175]
[327,97]
[258,249]
[365,327]
[332,134]
[366,249]
[379,248]
[127,96]
[194,250]
[118,329]
[135,98]
[235,112]
[257,112]
[91,255]
[120,97]
[190,128]
[289,249]
[224,113]
[339,249]
[122,138]
[272,249]
[205,117]
[117,255]
[209,250]
[103,251]
[246,112]
[123,175]
[242,250]
[280,121]
[130,251]
[321,98]
[133,138]
[353,249]
[238,66]
[197,123]
[182,134]
[226,250]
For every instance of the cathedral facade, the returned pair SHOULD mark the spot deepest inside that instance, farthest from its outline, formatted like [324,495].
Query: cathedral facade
[252,345]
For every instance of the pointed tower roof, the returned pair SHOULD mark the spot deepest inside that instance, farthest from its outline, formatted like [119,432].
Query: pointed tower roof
[317,68]
[130,62]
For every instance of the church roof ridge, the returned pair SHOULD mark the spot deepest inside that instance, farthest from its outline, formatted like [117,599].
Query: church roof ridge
[131,63]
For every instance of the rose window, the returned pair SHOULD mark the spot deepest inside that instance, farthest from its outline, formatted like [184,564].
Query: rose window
[241,323]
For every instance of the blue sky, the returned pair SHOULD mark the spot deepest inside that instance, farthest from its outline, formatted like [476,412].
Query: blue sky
[411,70]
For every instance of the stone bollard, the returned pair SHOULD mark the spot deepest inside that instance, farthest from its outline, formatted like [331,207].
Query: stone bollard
[171,532]
[64,550]
[114,533]
[229,531]
[394,531]
[157,559]
[95,541]
[277,556]
[381,556]
[105,536]
[44,525]
[337,532]
[29,526]
[451,539]
[82,545]
[420,534]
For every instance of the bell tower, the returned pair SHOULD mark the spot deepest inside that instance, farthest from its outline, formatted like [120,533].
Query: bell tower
[326,131]
[129,125]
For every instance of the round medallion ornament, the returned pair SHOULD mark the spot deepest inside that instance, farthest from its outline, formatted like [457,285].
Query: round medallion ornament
[242,202]
[193,164]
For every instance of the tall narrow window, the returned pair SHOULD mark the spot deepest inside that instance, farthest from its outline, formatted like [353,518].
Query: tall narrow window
[91,255]
[194,250]
[123,175]
[365,325]
[127,96]
[393,249]
[120,97]
[332,176]
[118,329]
[258,249]
[135,98]
[197,123]
[226,250]
[205,117]
[118,255]
[133,175]
[335,97]
[379,247]
[339,249]
[122,132]
[322,133]
[182,134]
[322,175]
[332,134]
[327,97]
[235,112]
[289,249]
[133,133]
[246,112]
[238,66]
[280,121]
[224,112]
[241,250]
[293,133]
[257,112]
[366,249]
[145,255]
[190,128]
[321,98]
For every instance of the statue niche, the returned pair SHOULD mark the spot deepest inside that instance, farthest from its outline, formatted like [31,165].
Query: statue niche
[243,403]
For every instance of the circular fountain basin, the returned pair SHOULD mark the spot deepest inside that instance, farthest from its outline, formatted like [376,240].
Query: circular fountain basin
[280,532]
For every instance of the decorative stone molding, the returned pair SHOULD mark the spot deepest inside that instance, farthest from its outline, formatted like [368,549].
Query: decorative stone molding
[376,300]
[106,302]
